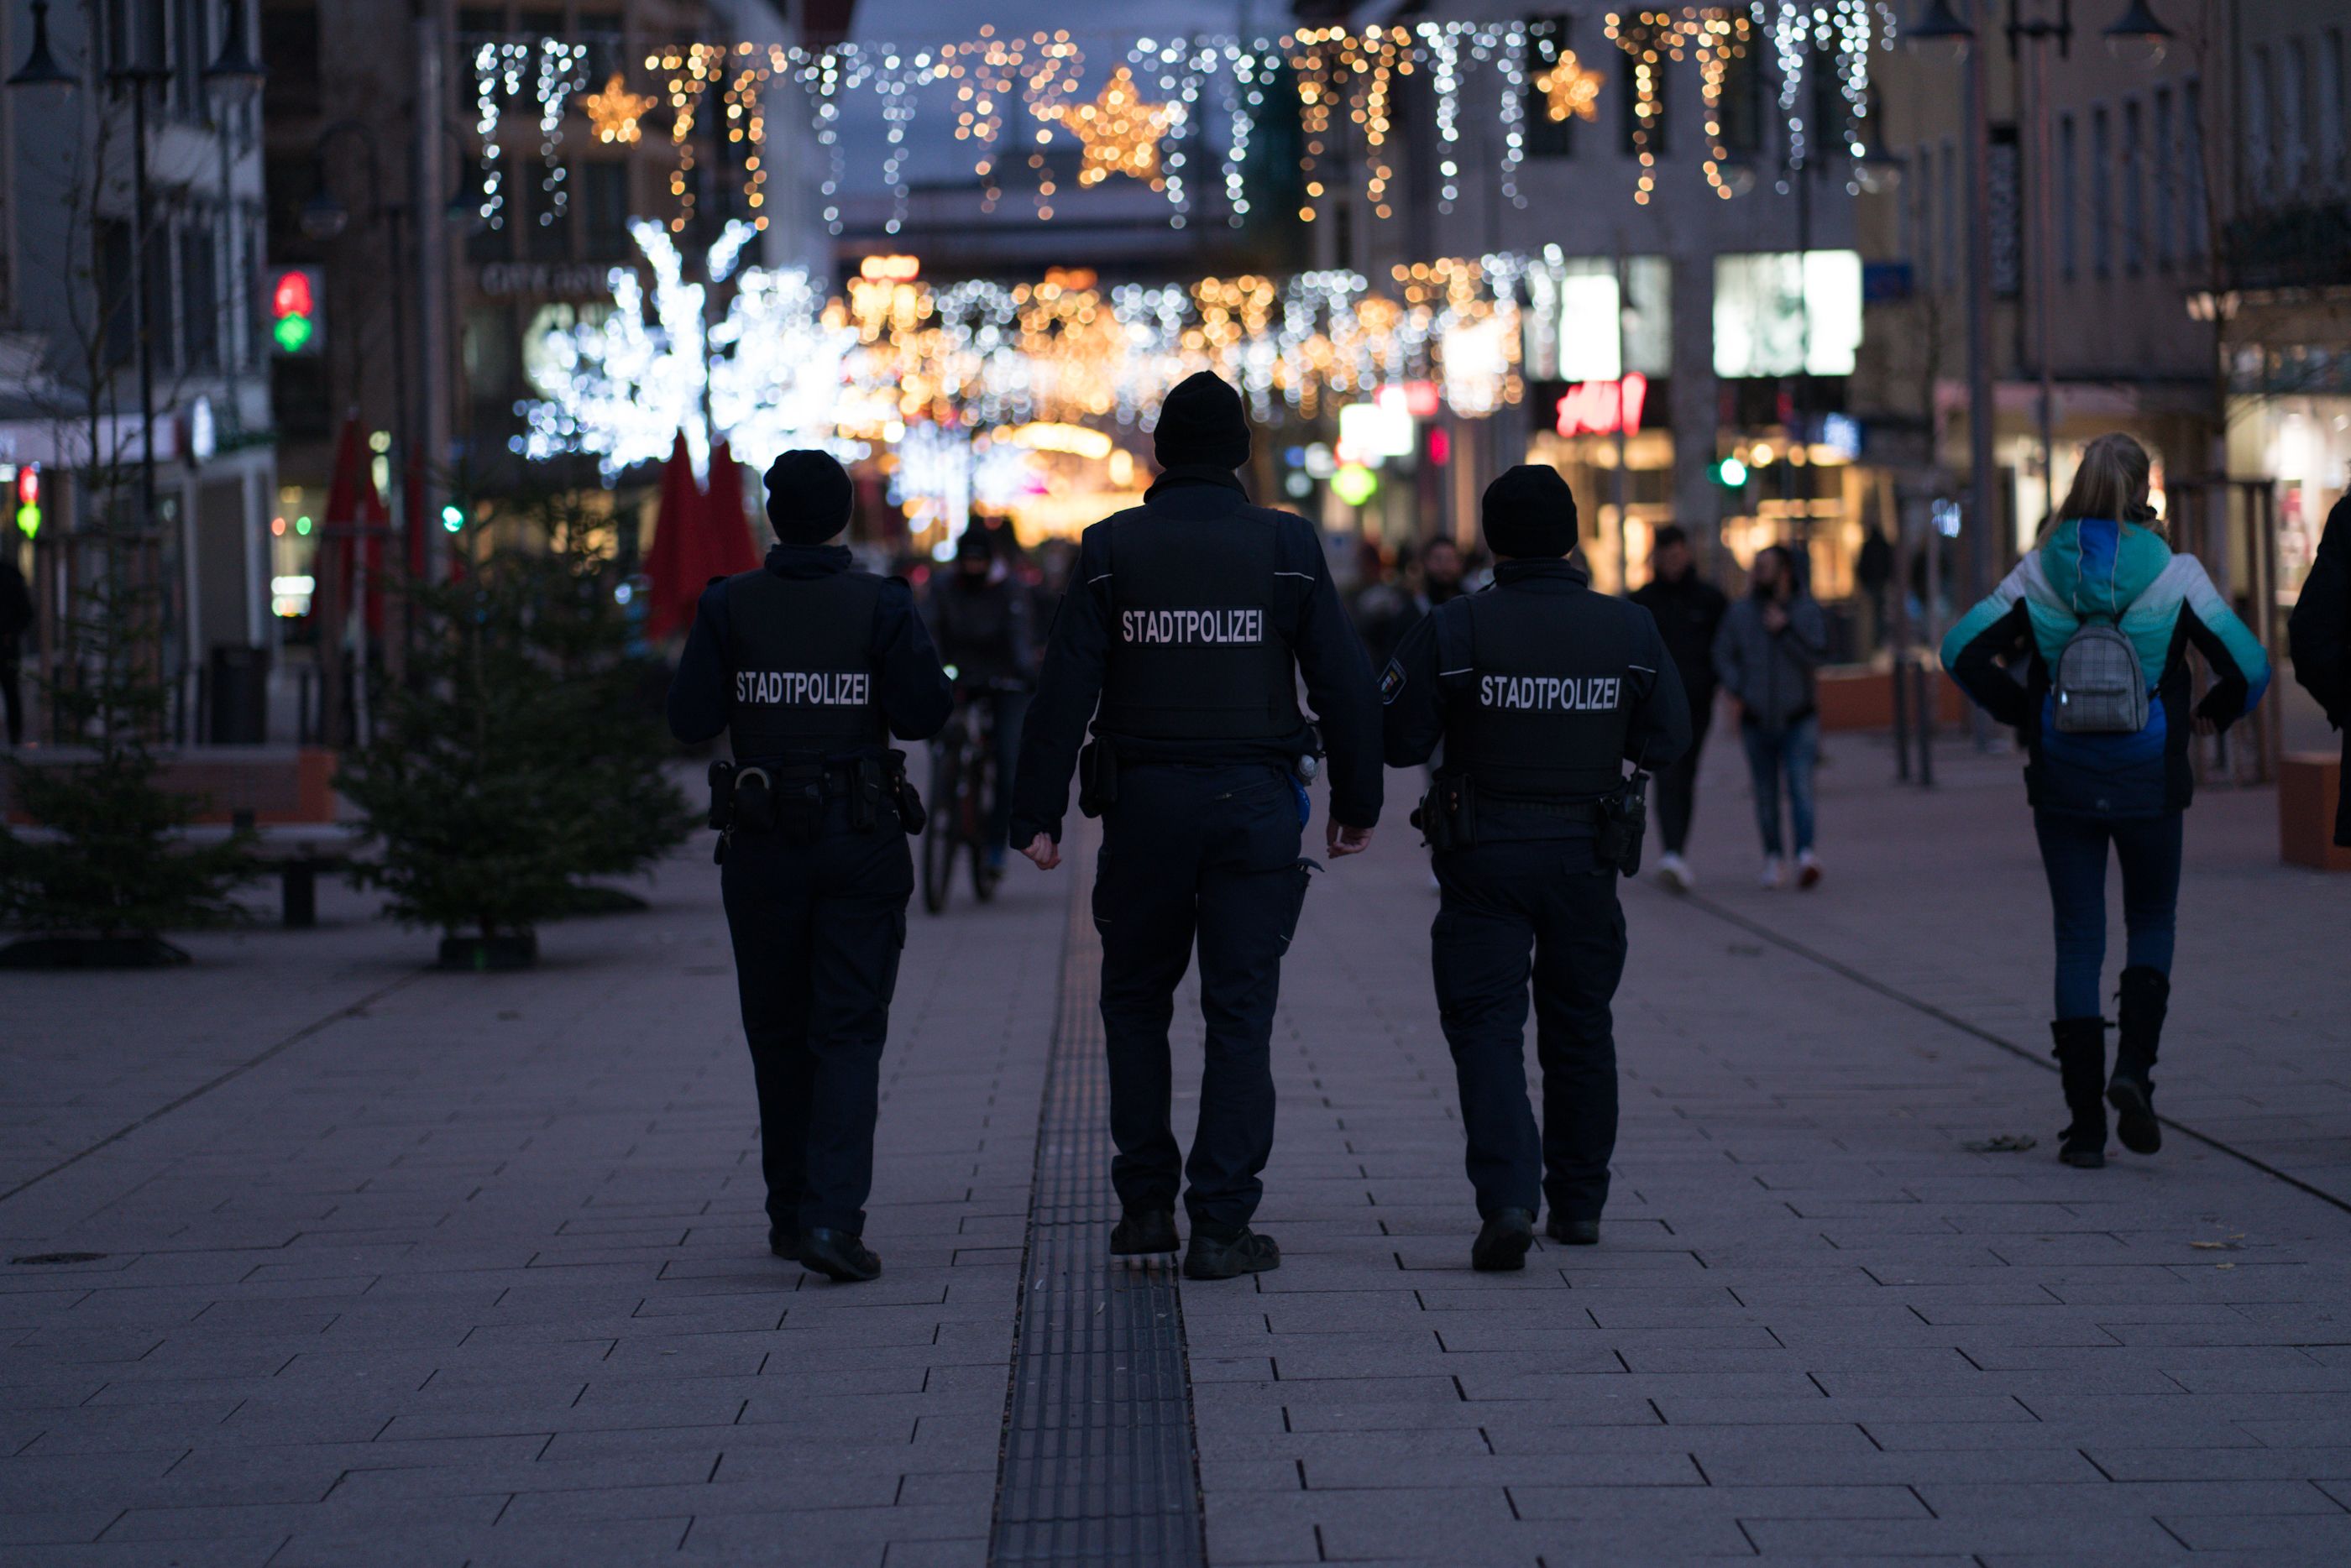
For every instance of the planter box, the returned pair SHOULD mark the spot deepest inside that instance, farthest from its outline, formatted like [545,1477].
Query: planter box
[276,784]
[2308,785]
[91,952]
[1859,698]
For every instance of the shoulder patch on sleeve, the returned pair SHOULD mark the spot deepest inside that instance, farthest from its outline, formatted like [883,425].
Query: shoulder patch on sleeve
[1391,682]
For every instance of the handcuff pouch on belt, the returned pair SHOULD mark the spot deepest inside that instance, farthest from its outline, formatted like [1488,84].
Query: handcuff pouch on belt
[722,793]
[1097,776]
[1448,815]
[903,795]
[1622,820]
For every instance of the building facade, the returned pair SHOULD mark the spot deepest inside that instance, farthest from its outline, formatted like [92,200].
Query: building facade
[1694,296]
[2171,257]
[133,358]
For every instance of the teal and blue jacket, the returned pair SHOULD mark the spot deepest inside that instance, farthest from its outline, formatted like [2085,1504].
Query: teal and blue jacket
[2095,569]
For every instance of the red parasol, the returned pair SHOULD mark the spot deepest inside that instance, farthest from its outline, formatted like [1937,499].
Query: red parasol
[673,562]
[726,537]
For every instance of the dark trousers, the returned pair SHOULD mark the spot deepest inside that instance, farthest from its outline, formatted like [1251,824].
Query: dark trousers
[2074,854]
[1205,856]
[1678,780]
[12,696]
[818,927]
[1011,711]
[1513,914]
[1793,751]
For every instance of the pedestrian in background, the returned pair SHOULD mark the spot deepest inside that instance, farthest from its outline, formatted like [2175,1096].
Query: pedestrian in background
[1190,620]
[1541,691]
[810,666]
[16,620]
[1766,655]
[1688,611]
[979,618]
[2101,616]
[2319,634]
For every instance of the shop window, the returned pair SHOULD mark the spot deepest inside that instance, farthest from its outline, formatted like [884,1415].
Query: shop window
[2102,194]
[2134,190]
[1745,96]
[200,293]
[2191,160]
[118,317]
[605,39]
[2069,200]
[491,366]
[1546,138]
[2161,185]
[603,198]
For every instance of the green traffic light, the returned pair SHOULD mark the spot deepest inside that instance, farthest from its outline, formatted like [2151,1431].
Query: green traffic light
[293,332]
[1732,472]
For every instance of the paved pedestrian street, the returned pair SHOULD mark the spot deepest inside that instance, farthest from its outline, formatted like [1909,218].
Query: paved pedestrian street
[319,1257]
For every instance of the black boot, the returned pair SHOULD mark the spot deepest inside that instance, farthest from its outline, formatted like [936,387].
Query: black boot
[838,1255]
[1502,1242]
[2146,997]
[2081,1052]
[1144,1232]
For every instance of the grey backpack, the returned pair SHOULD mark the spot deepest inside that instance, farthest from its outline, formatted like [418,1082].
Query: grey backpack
[2098,683]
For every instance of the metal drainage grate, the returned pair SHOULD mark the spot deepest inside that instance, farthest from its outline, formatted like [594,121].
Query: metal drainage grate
[1099,1462]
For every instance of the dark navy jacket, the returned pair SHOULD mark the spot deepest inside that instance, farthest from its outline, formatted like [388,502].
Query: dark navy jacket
[1305,611]
[911,686]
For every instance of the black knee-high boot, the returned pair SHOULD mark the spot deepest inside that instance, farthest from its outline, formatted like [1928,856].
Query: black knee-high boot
[2146,997]
[2081,1052]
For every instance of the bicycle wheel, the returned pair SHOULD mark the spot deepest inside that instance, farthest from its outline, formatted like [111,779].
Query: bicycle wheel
[984,877]
[941,841]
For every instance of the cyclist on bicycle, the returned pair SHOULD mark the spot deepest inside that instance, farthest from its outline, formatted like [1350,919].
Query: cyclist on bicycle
[979,615]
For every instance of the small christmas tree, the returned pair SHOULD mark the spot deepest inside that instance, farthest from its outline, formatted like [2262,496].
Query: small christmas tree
[110,870]
[517,760]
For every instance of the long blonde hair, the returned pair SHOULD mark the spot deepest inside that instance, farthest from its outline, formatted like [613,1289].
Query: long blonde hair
[2111,482]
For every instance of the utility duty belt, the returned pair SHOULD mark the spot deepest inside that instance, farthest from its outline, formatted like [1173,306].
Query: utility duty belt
[790,798]
[1448,817]
[1098,767]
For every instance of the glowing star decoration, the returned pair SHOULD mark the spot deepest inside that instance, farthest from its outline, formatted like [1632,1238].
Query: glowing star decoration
[1120,131]
[1570,89]
[616,112]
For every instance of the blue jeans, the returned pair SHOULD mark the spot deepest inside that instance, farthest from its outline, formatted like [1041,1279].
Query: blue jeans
[2074,853]
[1772,753]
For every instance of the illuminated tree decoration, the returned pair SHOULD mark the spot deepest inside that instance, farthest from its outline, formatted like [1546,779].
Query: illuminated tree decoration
[765,375]
[1119,129]
[616,112]
[1570,89]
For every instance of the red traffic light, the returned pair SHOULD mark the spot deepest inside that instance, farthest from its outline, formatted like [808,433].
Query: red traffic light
[291,294]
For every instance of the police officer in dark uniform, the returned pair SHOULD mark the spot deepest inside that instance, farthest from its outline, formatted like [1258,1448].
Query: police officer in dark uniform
[1540,690]
[1189,619]
[811,667]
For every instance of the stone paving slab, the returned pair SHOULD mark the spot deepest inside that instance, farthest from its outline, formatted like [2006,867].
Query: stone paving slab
[474,1272]
[450,1270]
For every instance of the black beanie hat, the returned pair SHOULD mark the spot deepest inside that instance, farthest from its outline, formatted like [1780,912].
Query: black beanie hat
[808,497]
[1531,513]
[1202,424]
